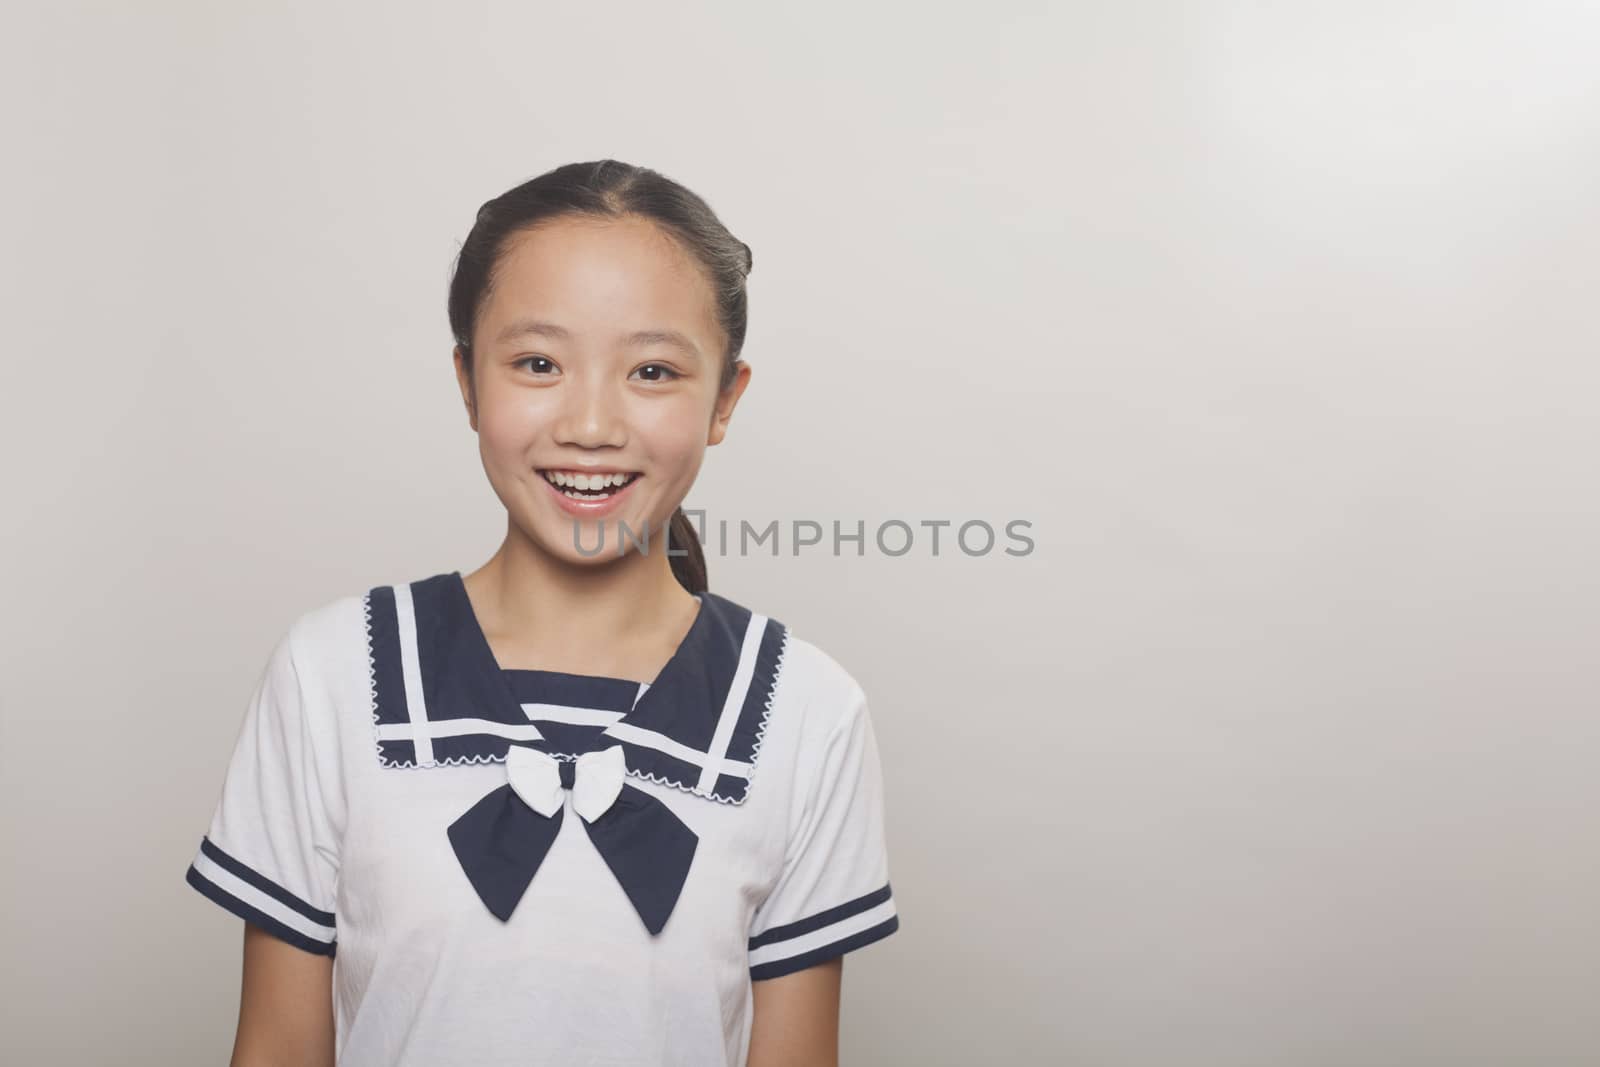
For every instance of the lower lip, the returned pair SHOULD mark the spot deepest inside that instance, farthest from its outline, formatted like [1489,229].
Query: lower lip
[589,509]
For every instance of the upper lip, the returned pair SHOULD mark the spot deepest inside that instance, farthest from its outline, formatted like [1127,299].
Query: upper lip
[589,470]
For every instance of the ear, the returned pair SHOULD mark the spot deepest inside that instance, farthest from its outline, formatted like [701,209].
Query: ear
[726,401]
[464,381]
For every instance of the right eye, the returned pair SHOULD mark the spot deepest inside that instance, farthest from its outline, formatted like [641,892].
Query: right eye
[533,359]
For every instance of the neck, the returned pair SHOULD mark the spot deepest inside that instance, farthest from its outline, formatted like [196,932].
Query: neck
[619,617]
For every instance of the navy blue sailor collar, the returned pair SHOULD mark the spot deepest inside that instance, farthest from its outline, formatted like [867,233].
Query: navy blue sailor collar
[439,697]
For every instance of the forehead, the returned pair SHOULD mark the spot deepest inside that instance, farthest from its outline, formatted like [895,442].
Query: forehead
[600,279]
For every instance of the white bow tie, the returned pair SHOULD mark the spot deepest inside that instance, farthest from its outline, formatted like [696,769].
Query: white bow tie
[597,780]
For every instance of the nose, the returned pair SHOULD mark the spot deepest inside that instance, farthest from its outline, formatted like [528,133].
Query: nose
[590,415]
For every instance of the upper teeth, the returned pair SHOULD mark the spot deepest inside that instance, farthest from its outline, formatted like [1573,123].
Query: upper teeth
[586,482]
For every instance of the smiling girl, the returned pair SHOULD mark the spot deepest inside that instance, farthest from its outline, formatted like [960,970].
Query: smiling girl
[570,807]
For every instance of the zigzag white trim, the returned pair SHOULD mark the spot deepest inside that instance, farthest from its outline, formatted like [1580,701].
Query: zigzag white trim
[766,711]
[372,684]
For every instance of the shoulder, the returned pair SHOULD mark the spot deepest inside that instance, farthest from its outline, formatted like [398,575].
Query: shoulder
[829,695]
[327,639]
[327,624]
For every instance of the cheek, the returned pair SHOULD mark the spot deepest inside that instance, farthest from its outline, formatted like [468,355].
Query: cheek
[505,431]
[674,441]
[676,462]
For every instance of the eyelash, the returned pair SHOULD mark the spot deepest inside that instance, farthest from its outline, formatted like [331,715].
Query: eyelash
[662,366]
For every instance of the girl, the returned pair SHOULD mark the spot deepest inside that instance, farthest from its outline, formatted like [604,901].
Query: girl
[572,807]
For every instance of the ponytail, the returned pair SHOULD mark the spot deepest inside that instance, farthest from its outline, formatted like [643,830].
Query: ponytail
[689,567]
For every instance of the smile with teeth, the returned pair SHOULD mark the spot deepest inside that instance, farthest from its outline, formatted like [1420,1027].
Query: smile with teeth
[587,486]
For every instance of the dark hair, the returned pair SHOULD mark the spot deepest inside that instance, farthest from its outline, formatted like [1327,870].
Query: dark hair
[610,189]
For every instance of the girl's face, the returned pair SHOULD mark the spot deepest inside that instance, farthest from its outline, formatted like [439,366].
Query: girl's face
[597,349]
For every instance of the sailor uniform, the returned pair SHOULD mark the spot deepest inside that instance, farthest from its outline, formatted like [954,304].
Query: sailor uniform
[398,801]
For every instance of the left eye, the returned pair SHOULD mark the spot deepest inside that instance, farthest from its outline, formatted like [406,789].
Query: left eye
[658,367]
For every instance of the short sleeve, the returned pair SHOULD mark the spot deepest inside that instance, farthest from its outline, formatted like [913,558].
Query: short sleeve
[833,893]
[271,853]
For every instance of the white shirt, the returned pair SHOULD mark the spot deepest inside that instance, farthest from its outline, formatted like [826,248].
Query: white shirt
[370,812]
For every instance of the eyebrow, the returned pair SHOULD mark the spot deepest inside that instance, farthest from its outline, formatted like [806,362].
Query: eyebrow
[524,327]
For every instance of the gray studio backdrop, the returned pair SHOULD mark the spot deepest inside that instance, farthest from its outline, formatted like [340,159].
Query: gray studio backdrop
[1275,321]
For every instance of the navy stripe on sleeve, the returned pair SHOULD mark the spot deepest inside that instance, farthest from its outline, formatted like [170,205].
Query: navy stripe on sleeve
[820,937]
[256,898]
